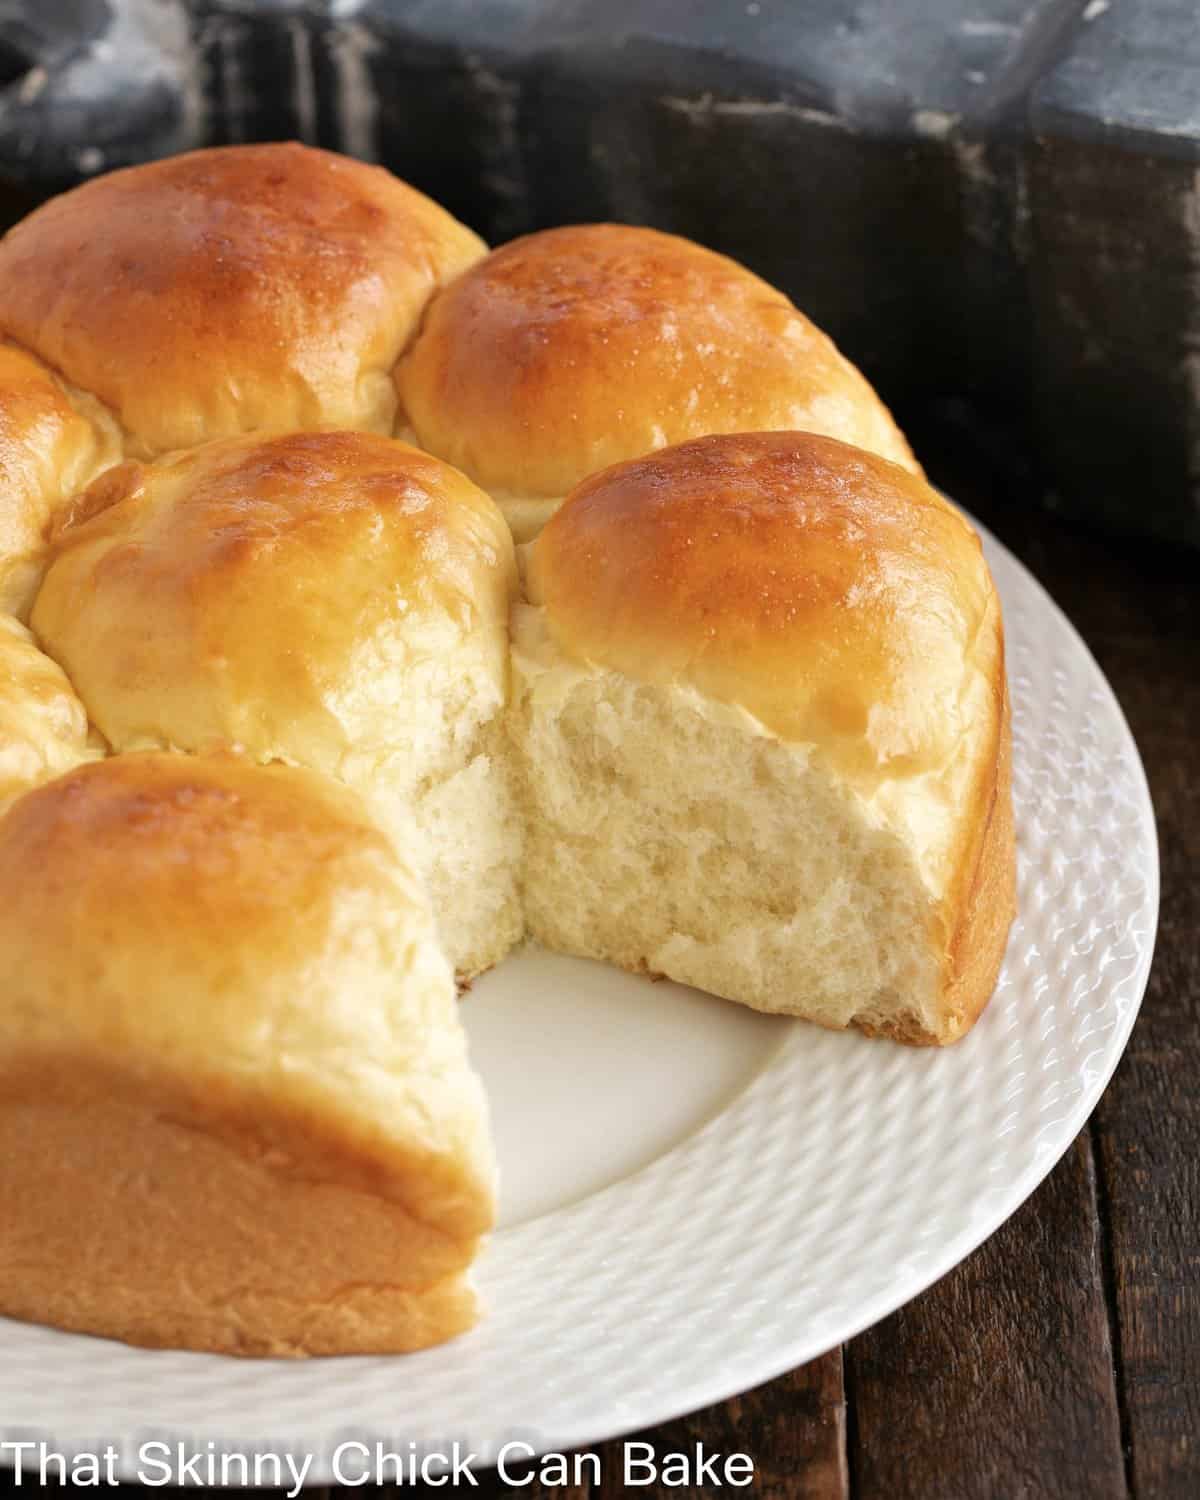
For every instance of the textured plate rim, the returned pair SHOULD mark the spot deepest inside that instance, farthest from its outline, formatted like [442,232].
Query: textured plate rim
[734,1381]
[735,1375]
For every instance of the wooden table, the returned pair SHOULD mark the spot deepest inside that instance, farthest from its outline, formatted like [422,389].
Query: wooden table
[1062,1359]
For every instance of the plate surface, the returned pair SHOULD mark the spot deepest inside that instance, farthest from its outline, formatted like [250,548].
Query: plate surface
[697,1197]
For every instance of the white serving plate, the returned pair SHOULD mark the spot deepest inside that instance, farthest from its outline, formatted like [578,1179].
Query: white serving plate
[697,1198]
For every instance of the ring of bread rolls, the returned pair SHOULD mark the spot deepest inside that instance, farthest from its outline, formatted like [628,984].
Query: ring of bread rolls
[289,740]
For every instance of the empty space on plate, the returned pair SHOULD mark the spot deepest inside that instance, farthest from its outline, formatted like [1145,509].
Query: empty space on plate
[593,1073]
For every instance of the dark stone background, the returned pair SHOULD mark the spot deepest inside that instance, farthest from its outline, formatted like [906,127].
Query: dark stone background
[993,205]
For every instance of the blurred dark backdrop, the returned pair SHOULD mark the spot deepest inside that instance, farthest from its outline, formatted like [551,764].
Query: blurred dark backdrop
[993,205]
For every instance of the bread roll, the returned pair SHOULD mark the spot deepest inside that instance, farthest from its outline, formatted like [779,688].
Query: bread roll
[232,289]
[43,727]
[236,1112]
[750,730]
[576,348]
[52,443]
[760,705]
[335,600]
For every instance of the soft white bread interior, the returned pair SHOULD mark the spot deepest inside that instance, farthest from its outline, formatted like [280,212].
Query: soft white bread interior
[236,1111]
[336,600]
[245,287]
[52,442]
[762,721]
[576,348]
[43,725]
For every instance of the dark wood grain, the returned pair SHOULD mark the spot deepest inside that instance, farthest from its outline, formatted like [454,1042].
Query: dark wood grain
[491,1486]
[794,1430]
[1138,607]
[1148,1123]
[488,1486]
[999,1381]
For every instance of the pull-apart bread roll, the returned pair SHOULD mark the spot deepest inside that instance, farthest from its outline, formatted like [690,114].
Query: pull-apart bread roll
[760,700]
[224,290]
[750,730]
[336,600]
[576,348]
[236,1112]
[43,726]
[52,443]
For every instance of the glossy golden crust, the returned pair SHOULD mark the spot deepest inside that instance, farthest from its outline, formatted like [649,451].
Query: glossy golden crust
[220,990]
[576,348]
[983,899]
[263,594]
[51,444]
[980,902]
[831,594]
[231,289]
[43,726]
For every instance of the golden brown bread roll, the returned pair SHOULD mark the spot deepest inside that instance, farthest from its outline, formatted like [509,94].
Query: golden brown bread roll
[576,348]
[336,600]
[224,290]
[236,1111]
[43,726]
[52,442]
[762,718]
[752,731]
